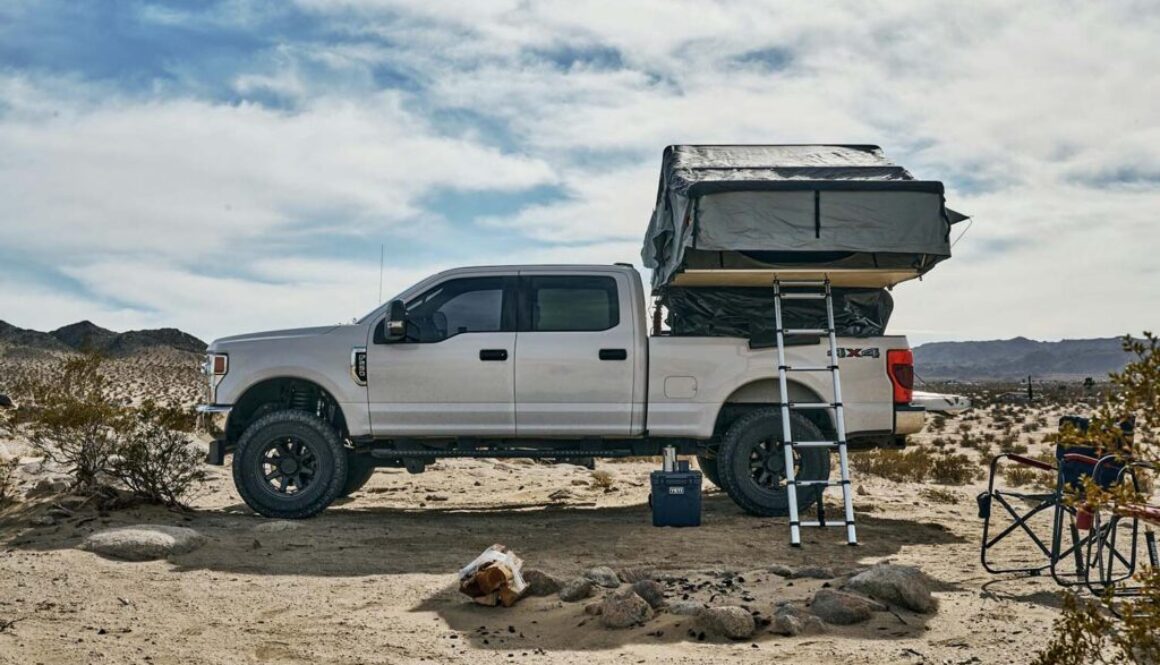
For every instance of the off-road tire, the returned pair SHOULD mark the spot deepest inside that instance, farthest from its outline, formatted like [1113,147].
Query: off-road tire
[328,478]
[733,463]
[359,469]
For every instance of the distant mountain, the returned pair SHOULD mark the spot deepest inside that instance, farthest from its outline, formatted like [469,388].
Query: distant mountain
[1020,357]
[87,336]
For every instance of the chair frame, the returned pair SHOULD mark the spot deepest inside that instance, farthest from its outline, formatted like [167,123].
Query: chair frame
[1103,562]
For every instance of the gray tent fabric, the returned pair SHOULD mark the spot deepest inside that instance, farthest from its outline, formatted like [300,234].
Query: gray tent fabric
[840,205]
[748,312]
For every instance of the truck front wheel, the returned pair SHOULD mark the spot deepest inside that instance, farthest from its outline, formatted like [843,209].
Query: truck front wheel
[289,465]
[751,463]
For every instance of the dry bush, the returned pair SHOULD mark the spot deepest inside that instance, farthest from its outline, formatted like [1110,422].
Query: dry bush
[1116,630]
[70,418]
[155,460]
[953,470]
[938,423]
[603,479]
[7,481]
[73,419]
[900,466]
[1018,476]
[939,495]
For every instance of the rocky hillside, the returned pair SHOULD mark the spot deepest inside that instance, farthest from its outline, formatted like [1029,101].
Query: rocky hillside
[19,343]
[1020,357]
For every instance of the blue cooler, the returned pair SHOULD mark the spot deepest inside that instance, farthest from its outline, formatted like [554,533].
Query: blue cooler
[676,497]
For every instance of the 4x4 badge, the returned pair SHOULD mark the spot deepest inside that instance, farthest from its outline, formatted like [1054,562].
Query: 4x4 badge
[869,352]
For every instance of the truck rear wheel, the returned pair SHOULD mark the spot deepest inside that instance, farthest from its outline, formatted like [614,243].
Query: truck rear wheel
[359,469]
[707,461]
[751,463]
[289,465]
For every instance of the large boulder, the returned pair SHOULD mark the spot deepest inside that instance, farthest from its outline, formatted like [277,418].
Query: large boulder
[143,542]
[843,609]
[730,621]
[623,609]
[905,586]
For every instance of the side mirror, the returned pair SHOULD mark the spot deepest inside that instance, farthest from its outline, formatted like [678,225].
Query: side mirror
[394,327]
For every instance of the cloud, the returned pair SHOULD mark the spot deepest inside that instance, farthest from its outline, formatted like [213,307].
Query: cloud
[260,152]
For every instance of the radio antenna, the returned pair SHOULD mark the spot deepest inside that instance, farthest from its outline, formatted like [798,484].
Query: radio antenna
[382,252]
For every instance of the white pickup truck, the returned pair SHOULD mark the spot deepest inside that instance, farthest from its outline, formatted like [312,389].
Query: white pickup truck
[532,361]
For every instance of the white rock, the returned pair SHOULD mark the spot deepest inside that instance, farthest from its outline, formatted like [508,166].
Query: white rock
[278,526]
[143,542]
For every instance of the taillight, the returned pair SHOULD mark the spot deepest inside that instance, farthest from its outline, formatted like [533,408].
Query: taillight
[900,369]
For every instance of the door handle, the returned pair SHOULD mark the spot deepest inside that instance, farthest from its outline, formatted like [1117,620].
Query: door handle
[613,354]
[493,354]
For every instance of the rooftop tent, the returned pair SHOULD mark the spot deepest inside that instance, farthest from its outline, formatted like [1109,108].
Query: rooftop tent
[742,215]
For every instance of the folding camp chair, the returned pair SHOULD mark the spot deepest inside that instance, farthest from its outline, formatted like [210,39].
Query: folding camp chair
[1103,556]
[1064,555]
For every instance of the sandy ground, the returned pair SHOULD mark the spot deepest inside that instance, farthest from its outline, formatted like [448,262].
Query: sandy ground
[372,580]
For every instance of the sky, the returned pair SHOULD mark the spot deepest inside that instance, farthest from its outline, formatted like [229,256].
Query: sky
[229,166]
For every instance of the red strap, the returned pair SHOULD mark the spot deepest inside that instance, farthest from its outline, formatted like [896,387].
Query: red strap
[1079,457]
[1141,511]
[1029,461]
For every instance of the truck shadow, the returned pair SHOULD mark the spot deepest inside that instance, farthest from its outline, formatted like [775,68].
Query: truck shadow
[350,540]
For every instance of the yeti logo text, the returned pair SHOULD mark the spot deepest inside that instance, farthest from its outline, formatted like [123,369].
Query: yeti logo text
[871,352]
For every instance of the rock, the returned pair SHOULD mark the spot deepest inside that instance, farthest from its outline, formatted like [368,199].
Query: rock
[43,520]
[623,609]
[277,526]
[540,583]
[843,609]
[594,609]
[561,495]
[636,574]
[905,586]
[730,621]
[143,542]
[781,570]
[690,608]
[48,487]
[580,482]
[603,576]
[435,498]
[792,620]
[577,589]
[815,573]
[651,591]
[861,491]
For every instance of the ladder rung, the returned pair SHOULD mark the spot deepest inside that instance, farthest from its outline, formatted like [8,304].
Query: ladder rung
[813,405]
[814,283]
[809,368]
[815,444]
[828,523]
[827,483]
[805,331]
[803,296]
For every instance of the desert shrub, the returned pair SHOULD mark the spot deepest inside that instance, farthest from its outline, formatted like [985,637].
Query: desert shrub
[1116,630]
[939,495]
[938,423]
[964,428]
[953,470]
[1018,475]
[900,466]
[155,460]
[938,442]
[71,419]
[603,479]
[7,480]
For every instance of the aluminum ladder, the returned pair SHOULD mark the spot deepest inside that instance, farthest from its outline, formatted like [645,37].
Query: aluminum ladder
[812,290]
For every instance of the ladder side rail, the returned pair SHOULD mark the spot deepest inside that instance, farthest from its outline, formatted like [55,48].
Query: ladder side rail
[840,422]
[795,536]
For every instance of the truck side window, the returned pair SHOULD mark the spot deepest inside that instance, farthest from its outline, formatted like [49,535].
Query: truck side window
[457,306]
[572,303]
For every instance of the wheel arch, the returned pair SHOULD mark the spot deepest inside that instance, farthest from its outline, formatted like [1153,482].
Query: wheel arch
[764,393]
[284,392]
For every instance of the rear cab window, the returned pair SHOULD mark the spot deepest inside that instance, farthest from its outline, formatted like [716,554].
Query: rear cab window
[570,303]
